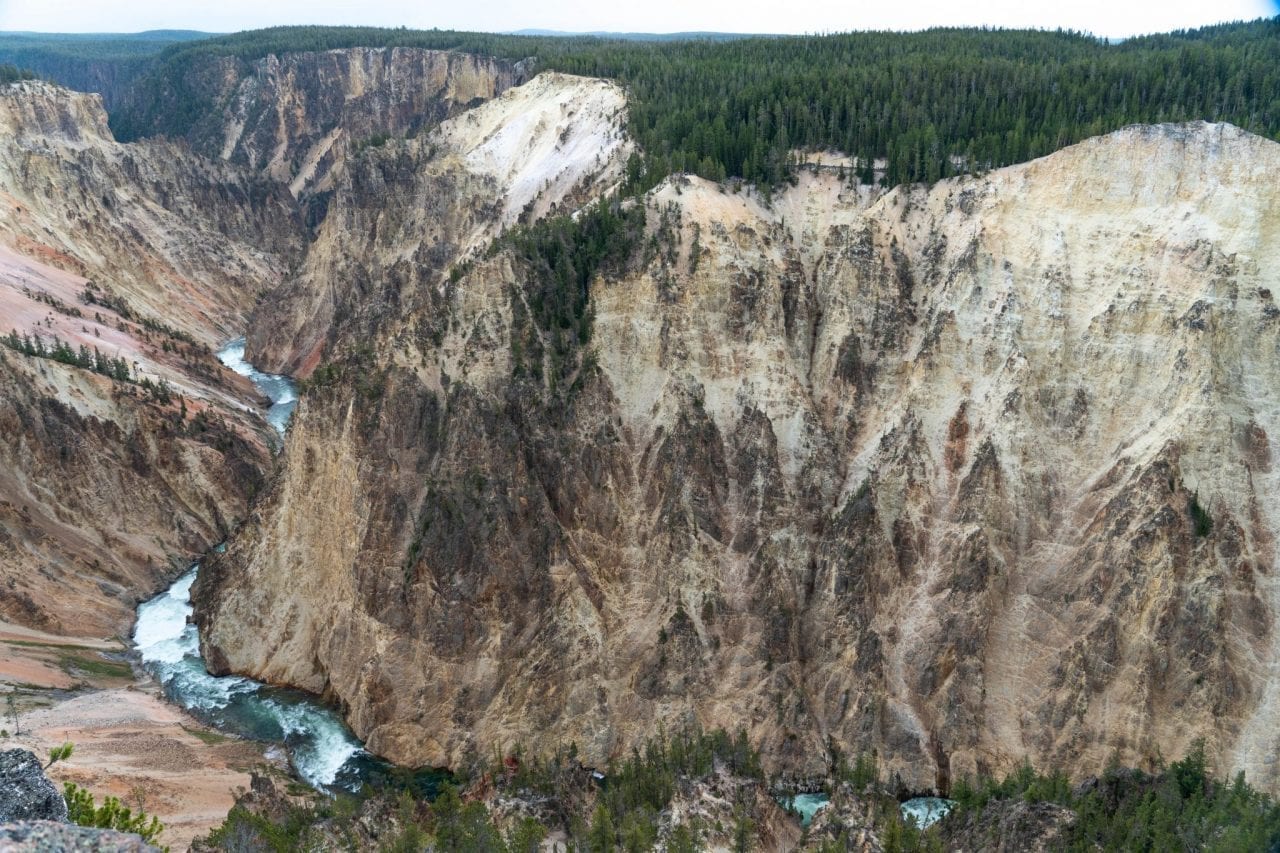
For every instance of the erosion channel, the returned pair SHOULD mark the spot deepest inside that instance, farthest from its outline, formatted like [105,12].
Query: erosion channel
[320,747]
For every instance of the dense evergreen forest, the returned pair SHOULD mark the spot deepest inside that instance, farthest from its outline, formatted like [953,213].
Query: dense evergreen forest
[90,62]
[10,74]
[930,102]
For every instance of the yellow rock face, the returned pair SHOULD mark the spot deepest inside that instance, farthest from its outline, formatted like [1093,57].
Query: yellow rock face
[105,493]
[961,474]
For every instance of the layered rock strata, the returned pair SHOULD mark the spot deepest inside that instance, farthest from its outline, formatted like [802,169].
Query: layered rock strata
[962,475]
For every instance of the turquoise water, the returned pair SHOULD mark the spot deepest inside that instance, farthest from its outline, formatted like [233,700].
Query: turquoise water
[321,748]
[926,811]
[806,804]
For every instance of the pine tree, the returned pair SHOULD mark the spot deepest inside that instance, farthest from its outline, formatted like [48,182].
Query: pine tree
[602,838]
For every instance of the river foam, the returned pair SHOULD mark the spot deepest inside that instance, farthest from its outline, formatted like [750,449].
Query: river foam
[926,811]
[280,389]
[322,749]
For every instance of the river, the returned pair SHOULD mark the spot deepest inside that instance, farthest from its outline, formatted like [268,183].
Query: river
[925,811]
[321,748]
[280,389]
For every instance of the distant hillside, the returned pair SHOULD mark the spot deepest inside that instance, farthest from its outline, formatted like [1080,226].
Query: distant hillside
[106,63]
[162,37]
[924,101]
[689,36]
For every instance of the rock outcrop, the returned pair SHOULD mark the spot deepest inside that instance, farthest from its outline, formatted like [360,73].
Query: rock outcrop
[849,821]
[25,792]
[1009,826]
[144,256]
[47,837]
[151,254]
[961,474]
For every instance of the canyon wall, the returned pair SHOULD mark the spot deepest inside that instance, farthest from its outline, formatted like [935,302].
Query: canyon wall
[146,256]
[151,254]
[186,240]
[409,210]
[961,474]
[297,117]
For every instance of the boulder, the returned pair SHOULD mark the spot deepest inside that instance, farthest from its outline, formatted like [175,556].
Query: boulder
[49,836]
[25,792]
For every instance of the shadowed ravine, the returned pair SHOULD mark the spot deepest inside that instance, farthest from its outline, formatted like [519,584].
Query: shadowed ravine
[321,748]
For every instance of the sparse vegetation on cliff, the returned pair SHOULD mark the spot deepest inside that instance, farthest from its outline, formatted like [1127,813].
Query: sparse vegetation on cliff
[512,805]
[561,257]
[63,353]
[112,814]
[117,369]
[520,799]
[1179,807]
[1200,518]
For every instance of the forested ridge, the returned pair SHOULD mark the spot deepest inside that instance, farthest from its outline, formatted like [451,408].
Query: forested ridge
[89,62]
[930,102]
[11,74]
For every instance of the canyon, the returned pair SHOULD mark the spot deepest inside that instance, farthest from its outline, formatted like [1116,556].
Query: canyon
[919,471]
[960,475]
[148,257]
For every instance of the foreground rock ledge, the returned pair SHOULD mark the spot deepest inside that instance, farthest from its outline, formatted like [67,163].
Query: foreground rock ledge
[48,836]
[25,792]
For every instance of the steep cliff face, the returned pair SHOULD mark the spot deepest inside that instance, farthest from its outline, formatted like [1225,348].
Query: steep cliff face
[177,237]
[960,474]
[137,258]
[410,209]
[105,492]
[150,254]
[297,117]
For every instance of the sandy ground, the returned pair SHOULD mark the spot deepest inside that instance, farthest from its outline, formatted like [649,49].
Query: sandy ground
[10,632]
[129,742]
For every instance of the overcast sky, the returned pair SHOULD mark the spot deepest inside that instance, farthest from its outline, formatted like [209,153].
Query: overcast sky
[1112,18]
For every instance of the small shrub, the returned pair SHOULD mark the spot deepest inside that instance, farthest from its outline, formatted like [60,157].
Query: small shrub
[112,814]
[1201,521]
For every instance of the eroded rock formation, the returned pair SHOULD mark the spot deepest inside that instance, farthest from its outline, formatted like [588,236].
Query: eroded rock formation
[146,255]
[153,253]
[297,117]
[410,209]
[186,240]
[960,474]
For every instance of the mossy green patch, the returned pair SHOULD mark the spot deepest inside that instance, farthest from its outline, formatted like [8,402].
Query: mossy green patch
[210,738]
[92,664]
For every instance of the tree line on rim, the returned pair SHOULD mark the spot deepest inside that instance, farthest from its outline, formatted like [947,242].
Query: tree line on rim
[930,104]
